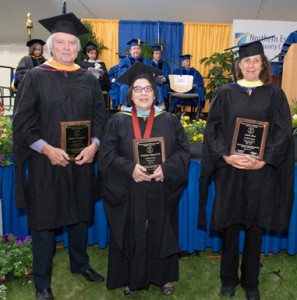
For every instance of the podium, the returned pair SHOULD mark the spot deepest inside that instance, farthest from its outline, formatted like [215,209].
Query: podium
[289,80]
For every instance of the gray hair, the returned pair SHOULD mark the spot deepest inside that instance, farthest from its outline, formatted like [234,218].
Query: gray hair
[49,43]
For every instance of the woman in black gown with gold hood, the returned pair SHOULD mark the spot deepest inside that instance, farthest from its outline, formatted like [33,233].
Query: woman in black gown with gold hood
[251,193]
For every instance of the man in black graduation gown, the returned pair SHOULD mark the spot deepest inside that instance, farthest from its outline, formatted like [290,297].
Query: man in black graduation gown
[57,192]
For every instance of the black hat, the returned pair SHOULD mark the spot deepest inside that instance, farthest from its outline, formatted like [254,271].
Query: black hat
[67,23]
[157,47]
[89,47]
[35,41]
[185,56]
[139,70]
[135,42]
[251,48]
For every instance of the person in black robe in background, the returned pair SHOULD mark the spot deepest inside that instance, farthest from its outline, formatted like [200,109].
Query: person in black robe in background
[251,194]
[98,67]
[33,59]
[57,192]
[142,209]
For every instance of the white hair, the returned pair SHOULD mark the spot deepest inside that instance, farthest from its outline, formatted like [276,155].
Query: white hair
[49,43]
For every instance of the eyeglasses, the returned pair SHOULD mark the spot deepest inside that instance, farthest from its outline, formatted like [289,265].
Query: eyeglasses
[139,89]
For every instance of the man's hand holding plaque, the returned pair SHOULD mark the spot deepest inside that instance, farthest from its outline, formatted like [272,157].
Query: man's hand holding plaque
[75,136]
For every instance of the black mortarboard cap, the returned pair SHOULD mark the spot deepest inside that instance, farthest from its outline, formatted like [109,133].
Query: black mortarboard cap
[138,70]
[35,41]
[251,48]
[67,23]
[89,47]
[185,56]
[135,42]
[157,47]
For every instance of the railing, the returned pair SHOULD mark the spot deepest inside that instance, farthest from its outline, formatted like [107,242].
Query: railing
[7,96]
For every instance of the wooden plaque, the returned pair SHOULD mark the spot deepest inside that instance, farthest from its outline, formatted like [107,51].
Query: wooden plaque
[149,153]
[75,136]
[249,138]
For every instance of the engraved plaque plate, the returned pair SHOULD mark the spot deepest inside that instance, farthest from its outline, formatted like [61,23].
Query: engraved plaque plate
[249,138]
[149,153]
[75,136]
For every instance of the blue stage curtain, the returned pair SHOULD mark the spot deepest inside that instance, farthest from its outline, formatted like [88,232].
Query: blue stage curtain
[169,33]
[191,237]
[15,220]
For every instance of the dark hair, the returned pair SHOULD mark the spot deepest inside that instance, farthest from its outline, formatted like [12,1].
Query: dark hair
[265,74]
[32,47]
[91,48]
[130,90]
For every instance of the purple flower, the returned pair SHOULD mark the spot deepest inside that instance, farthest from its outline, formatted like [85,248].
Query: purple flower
[22,239]
[7,236]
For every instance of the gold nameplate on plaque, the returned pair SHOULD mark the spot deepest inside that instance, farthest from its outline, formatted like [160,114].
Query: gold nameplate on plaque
[249,138]
[149,153]
[75,136]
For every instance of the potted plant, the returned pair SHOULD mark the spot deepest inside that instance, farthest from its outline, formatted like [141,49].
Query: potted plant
[5,141]
[89,37]
[220,72]
[194,130]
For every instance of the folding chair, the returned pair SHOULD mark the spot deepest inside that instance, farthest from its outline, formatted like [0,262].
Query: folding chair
[180,85]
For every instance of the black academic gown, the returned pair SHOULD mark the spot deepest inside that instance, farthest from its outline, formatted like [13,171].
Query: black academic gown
[104,81]
[55,196]
[263,197]
[143,216]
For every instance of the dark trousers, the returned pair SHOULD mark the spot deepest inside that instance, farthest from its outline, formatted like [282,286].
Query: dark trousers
[43,246]
[250,262]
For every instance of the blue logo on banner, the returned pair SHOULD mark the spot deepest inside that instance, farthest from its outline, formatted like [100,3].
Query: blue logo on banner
[240,38]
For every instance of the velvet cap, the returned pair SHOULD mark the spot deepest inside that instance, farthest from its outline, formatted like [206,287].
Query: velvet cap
[35,41]
[67,23]
[185,56]
[138,70]
[135,42]
[157,47]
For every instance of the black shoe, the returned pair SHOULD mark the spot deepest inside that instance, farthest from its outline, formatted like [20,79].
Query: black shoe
[227,291]
[92,275]
[252,294]
[44,294]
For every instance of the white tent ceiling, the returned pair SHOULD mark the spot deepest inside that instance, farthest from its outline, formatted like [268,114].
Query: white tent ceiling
[13,13]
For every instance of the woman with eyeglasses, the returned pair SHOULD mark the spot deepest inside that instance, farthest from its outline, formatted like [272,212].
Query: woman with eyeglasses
[143,179]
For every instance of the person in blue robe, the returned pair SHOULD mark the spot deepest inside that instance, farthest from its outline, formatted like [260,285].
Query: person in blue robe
[198,83]
[162,81]
[114,86]
[126,63]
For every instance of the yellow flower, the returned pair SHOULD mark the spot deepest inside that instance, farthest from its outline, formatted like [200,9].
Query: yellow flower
[195,138]
[186,118]
[3,135]
[4,130]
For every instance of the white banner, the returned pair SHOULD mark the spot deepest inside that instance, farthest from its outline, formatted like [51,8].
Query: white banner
[245,31]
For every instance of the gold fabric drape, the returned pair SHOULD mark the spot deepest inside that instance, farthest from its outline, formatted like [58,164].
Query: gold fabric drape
[106,31]
[203,39]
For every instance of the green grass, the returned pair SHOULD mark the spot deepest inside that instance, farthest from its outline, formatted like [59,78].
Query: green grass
[199,279]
